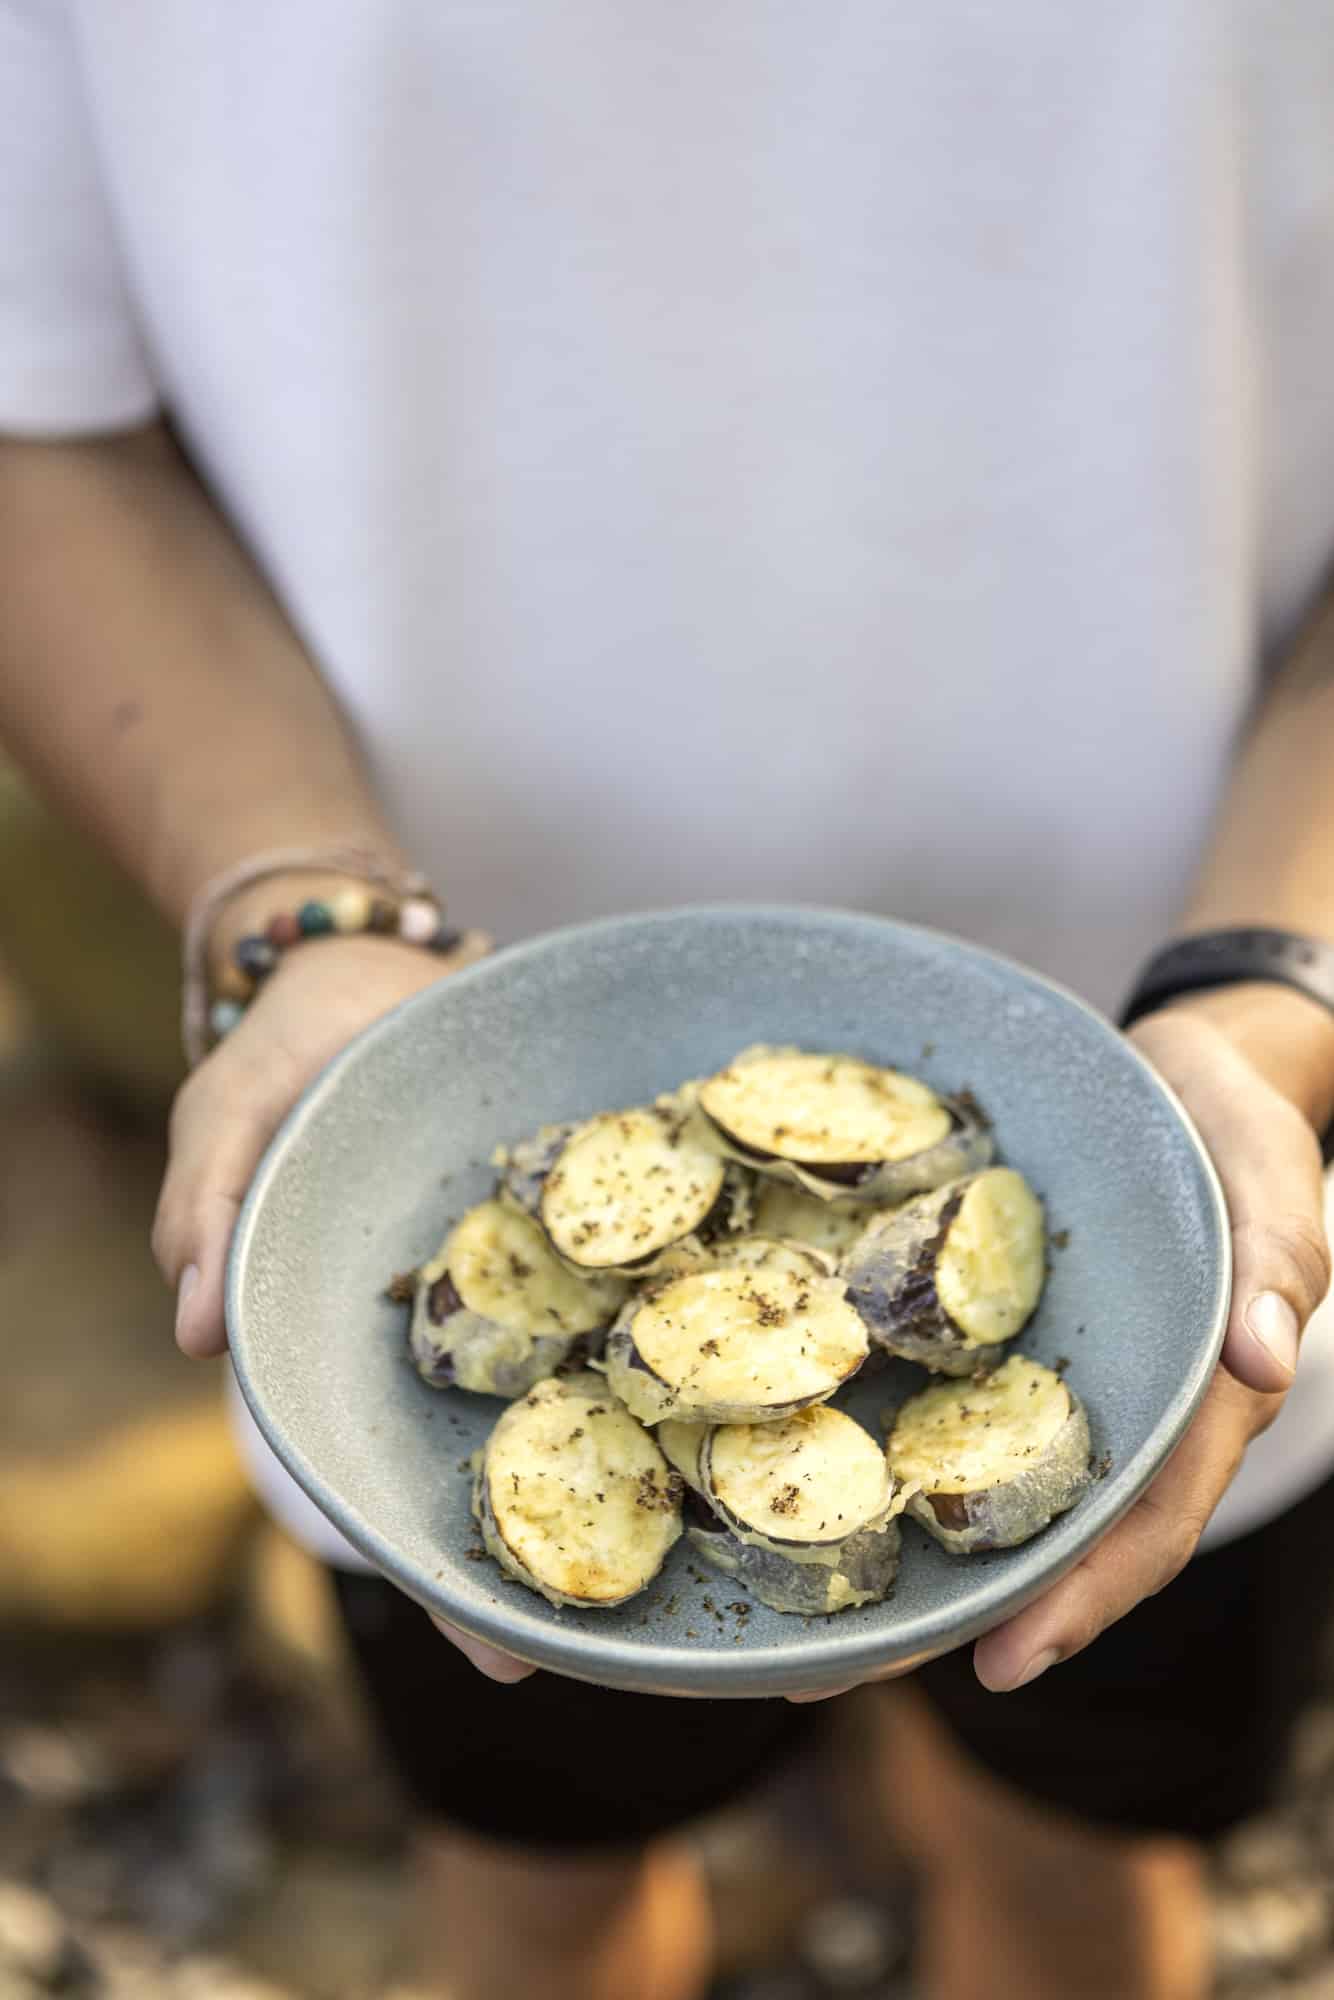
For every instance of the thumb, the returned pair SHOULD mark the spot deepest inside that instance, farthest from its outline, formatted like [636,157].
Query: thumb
[1280,1274]
[1269,1163]
[216,1139]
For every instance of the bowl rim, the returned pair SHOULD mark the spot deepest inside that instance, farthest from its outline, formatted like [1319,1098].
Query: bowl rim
[832,1653]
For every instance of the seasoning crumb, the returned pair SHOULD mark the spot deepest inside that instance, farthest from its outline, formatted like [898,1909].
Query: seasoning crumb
[787,1501]
[401,1288]
[1060,1239]
[663,1498]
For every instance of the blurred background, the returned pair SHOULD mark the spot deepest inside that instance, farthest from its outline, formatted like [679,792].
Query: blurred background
[190,1804]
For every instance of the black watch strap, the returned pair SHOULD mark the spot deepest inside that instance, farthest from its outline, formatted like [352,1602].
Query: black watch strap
[1227,958]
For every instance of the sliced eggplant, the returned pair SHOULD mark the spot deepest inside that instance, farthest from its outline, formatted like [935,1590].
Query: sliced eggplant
[840,1128]
[791,1214]
[736,1343]
[681,1444]
[573,1497]
[807,1510]
[496,1310]
[949,1277]
[989,1464]
[742,1253]
[615,1191]
[524,1168]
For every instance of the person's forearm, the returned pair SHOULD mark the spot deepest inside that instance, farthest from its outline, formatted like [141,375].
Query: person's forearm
[149,682]
[1271,861]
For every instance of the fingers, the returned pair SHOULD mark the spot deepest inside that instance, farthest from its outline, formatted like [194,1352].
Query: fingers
[217,1137]
[1140,1556]
[488,1660]
[846,1687]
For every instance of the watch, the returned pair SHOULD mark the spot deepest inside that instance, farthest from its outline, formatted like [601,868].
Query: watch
[1227,958]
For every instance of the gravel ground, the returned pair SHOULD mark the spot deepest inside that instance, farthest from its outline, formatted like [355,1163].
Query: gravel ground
[176,1823]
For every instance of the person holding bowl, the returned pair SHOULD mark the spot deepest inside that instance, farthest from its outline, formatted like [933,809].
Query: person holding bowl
[563,459]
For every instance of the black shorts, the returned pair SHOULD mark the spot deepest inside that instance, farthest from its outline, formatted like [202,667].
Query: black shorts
[1176,1720]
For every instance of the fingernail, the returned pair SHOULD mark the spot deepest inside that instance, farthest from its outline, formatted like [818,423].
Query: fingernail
[1274,1323]
[1037,1665]
[189,1279]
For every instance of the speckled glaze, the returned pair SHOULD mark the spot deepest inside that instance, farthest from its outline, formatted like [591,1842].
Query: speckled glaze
[393,1140]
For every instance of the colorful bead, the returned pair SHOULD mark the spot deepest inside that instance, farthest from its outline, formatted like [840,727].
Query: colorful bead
[255,956]
[232,983]
[351,908]
[354,907]
[418,921]
[223,1016]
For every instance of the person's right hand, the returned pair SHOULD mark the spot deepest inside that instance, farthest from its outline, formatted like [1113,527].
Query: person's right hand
[319,997]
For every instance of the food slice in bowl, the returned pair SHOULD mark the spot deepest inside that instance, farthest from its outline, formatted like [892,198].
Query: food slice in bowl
[573,1497]
[948,1278]
[751,1252]
[990,1463]
[617,1190]
[804,1511]
[839,1127]
[681,1444]
[731,1343]
[496,1310]
[786,1211]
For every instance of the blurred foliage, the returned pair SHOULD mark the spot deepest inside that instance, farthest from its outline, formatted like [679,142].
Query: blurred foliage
[98,965]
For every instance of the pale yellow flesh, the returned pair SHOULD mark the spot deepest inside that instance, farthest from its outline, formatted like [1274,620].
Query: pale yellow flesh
[626,1185]
[768,1253]
[503,1269]
[797,1217]
[750,1337]
[964,1437]
[580,1492]
[823,1110]
[681,1444]
[749,1252]
[989,1273]
[814,1477]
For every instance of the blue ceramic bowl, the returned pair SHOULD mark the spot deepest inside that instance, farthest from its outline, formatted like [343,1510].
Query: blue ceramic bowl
[393,1140]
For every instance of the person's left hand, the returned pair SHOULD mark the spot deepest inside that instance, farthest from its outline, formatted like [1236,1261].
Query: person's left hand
[1254,1067]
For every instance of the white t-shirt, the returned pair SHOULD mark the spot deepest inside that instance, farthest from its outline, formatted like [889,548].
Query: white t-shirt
[847,453]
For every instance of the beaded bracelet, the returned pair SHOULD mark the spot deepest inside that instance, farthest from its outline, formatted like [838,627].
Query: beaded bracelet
[376,900]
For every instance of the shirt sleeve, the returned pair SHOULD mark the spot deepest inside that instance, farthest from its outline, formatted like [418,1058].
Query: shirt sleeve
[72,357]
